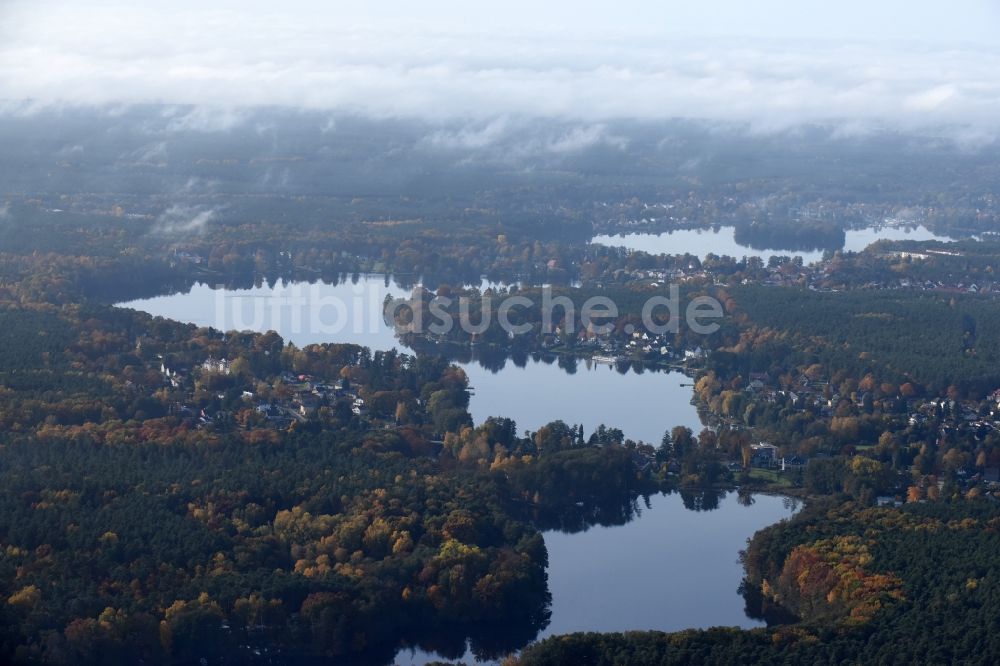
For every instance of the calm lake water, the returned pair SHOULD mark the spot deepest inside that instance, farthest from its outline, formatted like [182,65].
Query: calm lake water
[670,568]
[303,313]
[722,241]
[643,405]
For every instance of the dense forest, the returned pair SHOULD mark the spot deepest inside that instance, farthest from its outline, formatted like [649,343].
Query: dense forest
[932,340]
[136,530]
[323,544]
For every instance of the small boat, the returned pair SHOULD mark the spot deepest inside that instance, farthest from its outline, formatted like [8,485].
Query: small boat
[599,358]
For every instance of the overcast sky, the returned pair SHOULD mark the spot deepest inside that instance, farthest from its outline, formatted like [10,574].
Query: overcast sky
[772,62]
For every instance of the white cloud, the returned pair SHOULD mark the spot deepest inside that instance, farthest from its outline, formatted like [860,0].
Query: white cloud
[72,150]
[181,220]
[202,119]
[478,136]
[581,138]
[931,99]
[151,154]
[360,60]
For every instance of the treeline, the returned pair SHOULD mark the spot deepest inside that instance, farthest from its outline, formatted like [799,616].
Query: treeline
[67,257]
[796,235]
[553,318]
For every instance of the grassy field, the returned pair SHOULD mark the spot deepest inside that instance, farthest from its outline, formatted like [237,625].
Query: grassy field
[771,476]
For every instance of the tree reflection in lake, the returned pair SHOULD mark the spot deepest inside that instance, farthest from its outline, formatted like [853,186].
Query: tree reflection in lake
[757,607]
[610,512]
[745,497]
[702,500]
[664,561]
[581,516]
[484,642]
[537,388]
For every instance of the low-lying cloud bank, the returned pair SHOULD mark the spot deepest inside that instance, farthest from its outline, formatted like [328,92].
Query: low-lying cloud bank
[183,220]
[116,53]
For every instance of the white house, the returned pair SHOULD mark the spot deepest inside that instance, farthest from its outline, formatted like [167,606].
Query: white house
[221,366]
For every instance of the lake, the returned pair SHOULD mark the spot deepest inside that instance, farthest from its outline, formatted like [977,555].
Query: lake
[671,568]
[303,313]
[643,406]
[722,241]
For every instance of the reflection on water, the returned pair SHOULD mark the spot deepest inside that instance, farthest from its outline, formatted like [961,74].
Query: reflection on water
[537,388]
[665,562]
[643,405]
[720,241]
[582,516]
[859,239]
[481,643]
[724,241]
[304,313]
[674,566]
